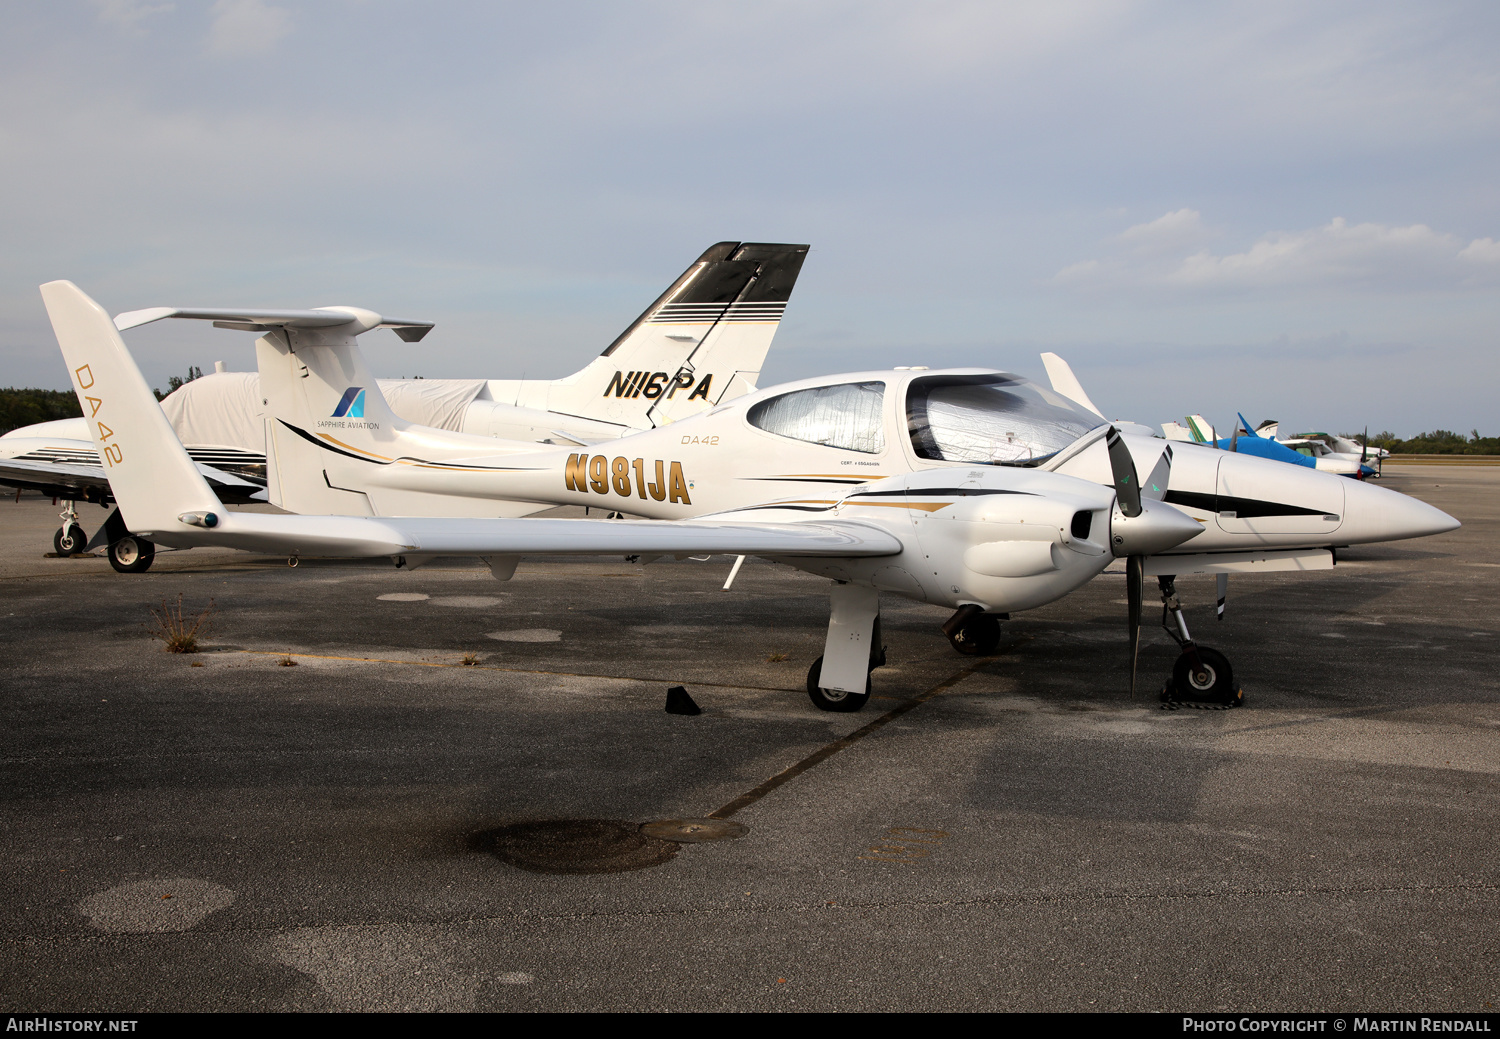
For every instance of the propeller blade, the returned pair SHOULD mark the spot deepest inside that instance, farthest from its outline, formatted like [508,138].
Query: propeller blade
[1135,569]
[1122,466]
[1364,447]
[1234,439]
[1222,580]
[1156,484]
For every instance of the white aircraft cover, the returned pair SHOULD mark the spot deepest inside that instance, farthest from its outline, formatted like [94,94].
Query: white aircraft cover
[224,408]
[439,403]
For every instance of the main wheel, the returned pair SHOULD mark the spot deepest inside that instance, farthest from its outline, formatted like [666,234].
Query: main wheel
[132,555]
[833,699]
[1212,682]
[978,638]
[68,540]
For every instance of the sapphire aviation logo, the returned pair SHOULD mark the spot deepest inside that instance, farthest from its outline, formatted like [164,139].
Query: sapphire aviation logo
[352,405]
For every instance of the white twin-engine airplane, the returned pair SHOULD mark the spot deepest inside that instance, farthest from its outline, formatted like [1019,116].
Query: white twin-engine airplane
[967,488]
[703,341]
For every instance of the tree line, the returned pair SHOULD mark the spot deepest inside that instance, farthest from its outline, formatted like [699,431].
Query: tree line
[1438,442]
[26,407]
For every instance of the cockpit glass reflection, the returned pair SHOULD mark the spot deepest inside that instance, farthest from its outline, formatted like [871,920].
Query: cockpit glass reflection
[991,419]
[847,416]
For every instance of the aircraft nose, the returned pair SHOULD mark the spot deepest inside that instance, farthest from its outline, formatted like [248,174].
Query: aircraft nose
[1379,514]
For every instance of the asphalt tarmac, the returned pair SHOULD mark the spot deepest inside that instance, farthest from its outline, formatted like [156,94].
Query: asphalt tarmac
[323,810]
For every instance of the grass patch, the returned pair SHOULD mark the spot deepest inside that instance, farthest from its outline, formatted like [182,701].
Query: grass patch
[178,632]
[286,661]
[775,657]
[470,660]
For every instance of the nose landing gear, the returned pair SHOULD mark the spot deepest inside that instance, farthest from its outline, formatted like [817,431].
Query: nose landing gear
[973,632]
[1201,677]
[70,537]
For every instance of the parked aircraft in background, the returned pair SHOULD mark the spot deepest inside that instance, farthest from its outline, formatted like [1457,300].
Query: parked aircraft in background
[1312,454]
[967,488]
[702,342]
[1347,446]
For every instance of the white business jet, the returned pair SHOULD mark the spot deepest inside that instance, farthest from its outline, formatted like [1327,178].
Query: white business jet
[966,488]
[703,341]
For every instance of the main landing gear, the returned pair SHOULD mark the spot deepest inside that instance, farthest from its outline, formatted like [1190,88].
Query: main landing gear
[839,680]
[1201,676]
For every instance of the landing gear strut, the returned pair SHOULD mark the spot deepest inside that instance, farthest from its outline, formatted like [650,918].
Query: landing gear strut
[70,537]
[1200,675]
[973,632]
[839,680]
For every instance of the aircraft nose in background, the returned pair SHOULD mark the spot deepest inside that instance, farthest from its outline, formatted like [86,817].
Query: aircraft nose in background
[1378,514]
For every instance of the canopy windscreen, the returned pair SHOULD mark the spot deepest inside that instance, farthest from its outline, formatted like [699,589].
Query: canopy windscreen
[991,419]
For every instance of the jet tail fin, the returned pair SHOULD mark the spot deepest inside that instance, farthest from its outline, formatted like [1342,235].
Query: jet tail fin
[703,341]
[1203,431]
[150,474]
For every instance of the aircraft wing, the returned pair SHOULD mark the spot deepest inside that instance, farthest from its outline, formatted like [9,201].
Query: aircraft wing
[363,537]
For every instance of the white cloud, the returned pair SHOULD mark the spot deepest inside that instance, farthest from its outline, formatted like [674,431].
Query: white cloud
[1337,253]
[1174,231]
[246,26]
[128,14]
[1481,250]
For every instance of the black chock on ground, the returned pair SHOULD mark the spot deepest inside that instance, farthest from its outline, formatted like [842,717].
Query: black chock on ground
[679,702]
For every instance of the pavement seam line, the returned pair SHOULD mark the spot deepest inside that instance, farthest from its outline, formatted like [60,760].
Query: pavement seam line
[506,670]
[827,751]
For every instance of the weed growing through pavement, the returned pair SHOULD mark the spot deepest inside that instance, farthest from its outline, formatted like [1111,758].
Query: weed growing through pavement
[776,657]
[470,659]
[179,633]
[286,661]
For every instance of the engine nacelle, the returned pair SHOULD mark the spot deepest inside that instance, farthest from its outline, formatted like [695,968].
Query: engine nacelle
[1003,538]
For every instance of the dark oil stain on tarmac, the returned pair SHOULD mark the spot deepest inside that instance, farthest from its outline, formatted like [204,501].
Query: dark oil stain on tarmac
[574,846]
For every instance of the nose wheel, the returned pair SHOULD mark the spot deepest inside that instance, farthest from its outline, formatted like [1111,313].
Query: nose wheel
[973,632]
[70,537]
[68,540]
[1201,677]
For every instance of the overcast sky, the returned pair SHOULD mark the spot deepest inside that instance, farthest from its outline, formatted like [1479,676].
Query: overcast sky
[1289,210]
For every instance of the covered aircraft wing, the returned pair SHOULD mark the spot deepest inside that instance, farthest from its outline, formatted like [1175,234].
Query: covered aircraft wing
[62,479]
[83,481]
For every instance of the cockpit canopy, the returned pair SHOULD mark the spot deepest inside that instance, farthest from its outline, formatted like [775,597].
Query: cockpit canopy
[988,419]
[996,419]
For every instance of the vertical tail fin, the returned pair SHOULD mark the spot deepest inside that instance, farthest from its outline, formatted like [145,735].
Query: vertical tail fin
[150,474]
[704,340]
[1060,375]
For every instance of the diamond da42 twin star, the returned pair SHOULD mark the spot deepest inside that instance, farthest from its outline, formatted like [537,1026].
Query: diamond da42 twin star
[967,488]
